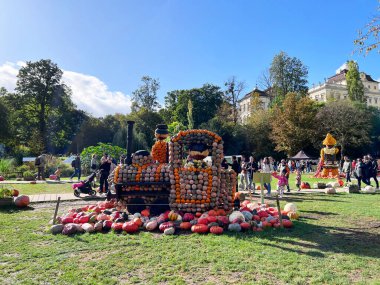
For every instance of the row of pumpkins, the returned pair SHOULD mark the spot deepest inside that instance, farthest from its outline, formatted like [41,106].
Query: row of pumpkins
[103,217]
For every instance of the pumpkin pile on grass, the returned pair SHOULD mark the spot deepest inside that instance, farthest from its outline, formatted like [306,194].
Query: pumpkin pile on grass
[107,216]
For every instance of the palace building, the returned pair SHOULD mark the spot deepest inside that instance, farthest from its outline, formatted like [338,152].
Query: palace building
[245,103]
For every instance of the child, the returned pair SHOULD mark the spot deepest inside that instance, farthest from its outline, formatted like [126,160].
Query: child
[298,179]
[282,182]
[57,173]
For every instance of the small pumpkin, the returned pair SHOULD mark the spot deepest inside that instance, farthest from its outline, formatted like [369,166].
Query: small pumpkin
[203,221]
[166,225]
[199,228]
[234,227]
[116,227]
[188,217]
[15,193]
[169,231]
[145,213]
[88,228]
[185,226]
[293,215]
[245,226]
[290,207]
[287,223]
[216,230]
[130,227]
[22,201]
[151,226]
[330,190]
[173,216]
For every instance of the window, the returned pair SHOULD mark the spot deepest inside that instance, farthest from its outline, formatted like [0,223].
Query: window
[369,86]
[374,87]
[375,100]
[369,100]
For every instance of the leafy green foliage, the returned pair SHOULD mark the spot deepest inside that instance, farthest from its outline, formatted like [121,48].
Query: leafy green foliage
[101,148]
[190,115]
[288,74]
[355,86]
[146,95]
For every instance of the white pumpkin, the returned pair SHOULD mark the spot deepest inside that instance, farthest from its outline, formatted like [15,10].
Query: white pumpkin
[330,190]
[335,184]
[169,231]
[88,228]
[152,225]
[369,189]
[290,207]
[236,215]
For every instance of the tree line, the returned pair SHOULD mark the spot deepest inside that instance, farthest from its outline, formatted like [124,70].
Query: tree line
[39,116]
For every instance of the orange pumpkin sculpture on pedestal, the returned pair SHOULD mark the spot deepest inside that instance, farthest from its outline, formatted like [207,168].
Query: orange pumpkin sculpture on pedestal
[328,164]
[160,148]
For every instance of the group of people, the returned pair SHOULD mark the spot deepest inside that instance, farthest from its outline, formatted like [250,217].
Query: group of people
[363,169]
[246,168]
[105,167]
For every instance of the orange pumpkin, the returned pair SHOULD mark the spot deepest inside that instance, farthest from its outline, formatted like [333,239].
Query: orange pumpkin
[200,229]
[185,226]
[216,230]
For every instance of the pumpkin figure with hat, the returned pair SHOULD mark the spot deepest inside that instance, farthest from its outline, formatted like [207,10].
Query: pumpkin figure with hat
[160,148]
[329,163]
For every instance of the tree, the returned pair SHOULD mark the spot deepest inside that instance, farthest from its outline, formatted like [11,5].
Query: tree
[256,103]
[288,74]
[293,124]
[369,37]
[206,103]
[6,126]
[190,126]
[265,80]
[42,103]
[348,122]
[232,95]
[355,86]
[146,95]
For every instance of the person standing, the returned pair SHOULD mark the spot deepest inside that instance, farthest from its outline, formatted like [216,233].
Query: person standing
[360,172]
[93,163]
[40,162]
[76,163]
[237,168]
[347,168]
[372,170]
[284,167]
[105,167]
[252,167]
[267,168]
[224,163]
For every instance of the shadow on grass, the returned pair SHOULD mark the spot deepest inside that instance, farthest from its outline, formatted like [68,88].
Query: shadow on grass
[320,213]
[13,209]
[317,240]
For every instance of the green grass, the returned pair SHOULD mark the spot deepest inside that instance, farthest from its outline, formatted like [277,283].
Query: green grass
[336,241]
[33,189]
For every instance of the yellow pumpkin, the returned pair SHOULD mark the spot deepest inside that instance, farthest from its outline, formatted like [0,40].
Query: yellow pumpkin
[173,216]
[293,215]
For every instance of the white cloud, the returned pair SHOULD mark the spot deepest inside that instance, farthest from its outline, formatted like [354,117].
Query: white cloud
[89,92]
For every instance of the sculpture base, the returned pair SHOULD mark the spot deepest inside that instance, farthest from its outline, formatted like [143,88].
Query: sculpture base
[329,173]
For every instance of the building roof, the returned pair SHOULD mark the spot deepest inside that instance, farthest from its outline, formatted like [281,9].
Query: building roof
[369,78]
[338,77]
[257,91]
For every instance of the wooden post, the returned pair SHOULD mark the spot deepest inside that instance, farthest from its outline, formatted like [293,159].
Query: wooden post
[56,210]
[279,211]
[262,189]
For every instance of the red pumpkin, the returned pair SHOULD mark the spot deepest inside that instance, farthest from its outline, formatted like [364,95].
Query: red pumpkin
[266,225]
[138,222]
[211,219]
[15,193]
[287,223]
[203,221]
[341,183]
[67,220]
[166,225]
[188,217]
[216,230]
[84,219]
[130,227]
[1,178]
[199,228]
[198,214]
[245,226]
[212,213]
[22,201]
[256,218]
[117,226]
[221,212]
[145,213]
[185,226]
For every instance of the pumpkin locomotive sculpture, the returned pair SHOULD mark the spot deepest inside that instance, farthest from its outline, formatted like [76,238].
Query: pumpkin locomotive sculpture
[162,180]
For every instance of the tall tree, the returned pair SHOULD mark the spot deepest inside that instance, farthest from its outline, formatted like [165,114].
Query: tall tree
[146,95]
[293,124]
[233,92]
[288,74]
[190,115]
[369,37]
[42,101]
[355,86]
[206,103]
[349,122]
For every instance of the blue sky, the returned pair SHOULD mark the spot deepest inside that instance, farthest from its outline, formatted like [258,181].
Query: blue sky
[183,43]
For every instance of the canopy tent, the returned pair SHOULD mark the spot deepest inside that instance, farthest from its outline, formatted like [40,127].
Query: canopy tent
[301,155]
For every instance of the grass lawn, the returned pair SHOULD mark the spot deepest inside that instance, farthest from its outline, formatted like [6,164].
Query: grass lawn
[336,241]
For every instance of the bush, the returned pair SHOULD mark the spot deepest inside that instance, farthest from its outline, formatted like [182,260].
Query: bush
[23,168]
[6,165]
[113,151]
[28,174]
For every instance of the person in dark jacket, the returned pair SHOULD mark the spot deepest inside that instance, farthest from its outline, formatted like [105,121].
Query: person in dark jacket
[251,167]
[224,163]
[105,167]
[77,167]
[372,170]
[360,172]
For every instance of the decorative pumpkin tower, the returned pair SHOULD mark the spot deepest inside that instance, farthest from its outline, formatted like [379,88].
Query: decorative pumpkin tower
[329,163]
[160,148]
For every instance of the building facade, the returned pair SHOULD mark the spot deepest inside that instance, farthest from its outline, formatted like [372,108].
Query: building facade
[246,104]
[335,88]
